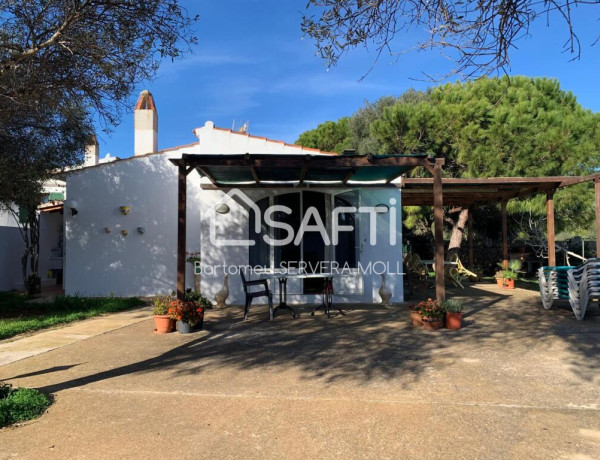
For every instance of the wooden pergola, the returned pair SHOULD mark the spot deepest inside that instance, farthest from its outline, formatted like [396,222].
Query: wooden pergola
[343,171]
[466,193]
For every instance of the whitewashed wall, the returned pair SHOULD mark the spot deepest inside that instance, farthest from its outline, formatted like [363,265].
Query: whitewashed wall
[11,250]
[234,225]
[100,263]
[7,219]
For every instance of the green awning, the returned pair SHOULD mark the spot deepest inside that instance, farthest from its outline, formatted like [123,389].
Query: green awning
[56,196]
[272,170]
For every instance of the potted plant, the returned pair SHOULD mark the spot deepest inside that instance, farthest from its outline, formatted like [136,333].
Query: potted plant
[511,273]
[163,323]
[453,310]
[200,302]
[415,316]
[432,314]
[189,314]
[499,276]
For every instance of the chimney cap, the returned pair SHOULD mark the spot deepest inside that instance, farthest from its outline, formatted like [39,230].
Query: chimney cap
[145,101]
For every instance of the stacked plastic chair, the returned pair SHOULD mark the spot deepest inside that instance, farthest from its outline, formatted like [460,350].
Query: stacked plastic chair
[575,284]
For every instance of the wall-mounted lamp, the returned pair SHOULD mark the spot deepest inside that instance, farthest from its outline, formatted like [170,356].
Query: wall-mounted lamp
[381,208]
[107,229]
[72,205]
[124,209]
[141,230]
[222,208]
[124,232]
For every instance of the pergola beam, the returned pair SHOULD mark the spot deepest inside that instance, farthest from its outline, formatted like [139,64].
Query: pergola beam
[504,233]
[298,161]
[550,229]
[597,207]
[438,218]
[254,175]
[470,240]
[304,170]
[181,229]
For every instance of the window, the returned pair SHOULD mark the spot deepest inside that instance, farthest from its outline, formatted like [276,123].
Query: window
[312,249]
[346,251]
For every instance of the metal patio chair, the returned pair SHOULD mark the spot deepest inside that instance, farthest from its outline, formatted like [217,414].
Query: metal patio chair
[265,292]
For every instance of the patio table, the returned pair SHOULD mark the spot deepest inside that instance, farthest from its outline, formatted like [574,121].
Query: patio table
[282,278]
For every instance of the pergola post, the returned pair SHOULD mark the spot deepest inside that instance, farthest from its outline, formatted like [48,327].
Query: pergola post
[438,218]
[181,230]
[504,234]
[550,228]
[470,240]
[597,201]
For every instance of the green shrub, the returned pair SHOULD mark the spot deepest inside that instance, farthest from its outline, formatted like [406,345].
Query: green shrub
[195,296]
[21,404]
[161,304]
[452,306]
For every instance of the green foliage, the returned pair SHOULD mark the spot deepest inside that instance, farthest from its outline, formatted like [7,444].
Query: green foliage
[330,136]
[63,64]
[490,127]
[195,296]
[161,303]
[431,309]
[21,404]
[452,306]
[18,316]
[511,272]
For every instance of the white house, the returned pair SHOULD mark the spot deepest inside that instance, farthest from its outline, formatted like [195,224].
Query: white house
[12,245]
[120,219]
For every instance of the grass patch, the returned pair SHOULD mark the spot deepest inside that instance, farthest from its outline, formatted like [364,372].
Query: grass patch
[18,316]
[21,404]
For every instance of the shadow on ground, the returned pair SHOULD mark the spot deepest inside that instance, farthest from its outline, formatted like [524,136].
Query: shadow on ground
[368,344]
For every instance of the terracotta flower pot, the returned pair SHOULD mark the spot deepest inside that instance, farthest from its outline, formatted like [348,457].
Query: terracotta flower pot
[509,284]
[163,324]
[415,319]
[431,324]
[499,282]
[453,321]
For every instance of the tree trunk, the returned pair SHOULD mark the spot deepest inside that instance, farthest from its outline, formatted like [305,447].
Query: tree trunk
[458,231]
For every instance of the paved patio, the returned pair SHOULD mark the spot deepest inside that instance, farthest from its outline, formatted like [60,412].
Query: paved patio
[516,382]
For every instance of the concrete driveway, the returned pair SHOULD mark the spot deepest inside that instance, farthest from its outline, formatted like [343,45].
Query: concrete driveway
[516,382]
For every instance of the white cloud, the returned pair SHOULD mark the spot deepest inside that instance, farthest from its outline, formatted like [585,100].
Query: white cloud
[327,85]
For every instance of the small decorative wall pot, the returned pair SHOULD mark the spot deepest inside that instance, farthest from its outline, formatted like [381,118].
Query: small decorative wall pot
[125,210]
[107,229]
[124,232]
[141,230]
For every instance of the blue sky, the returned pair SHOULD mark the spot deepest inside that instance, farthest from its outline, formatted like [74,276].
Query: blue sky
[251,64]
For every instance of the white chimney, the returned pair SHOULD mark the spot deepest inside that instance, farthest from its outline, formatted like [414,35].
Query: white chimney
[145,125]
[92,152]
